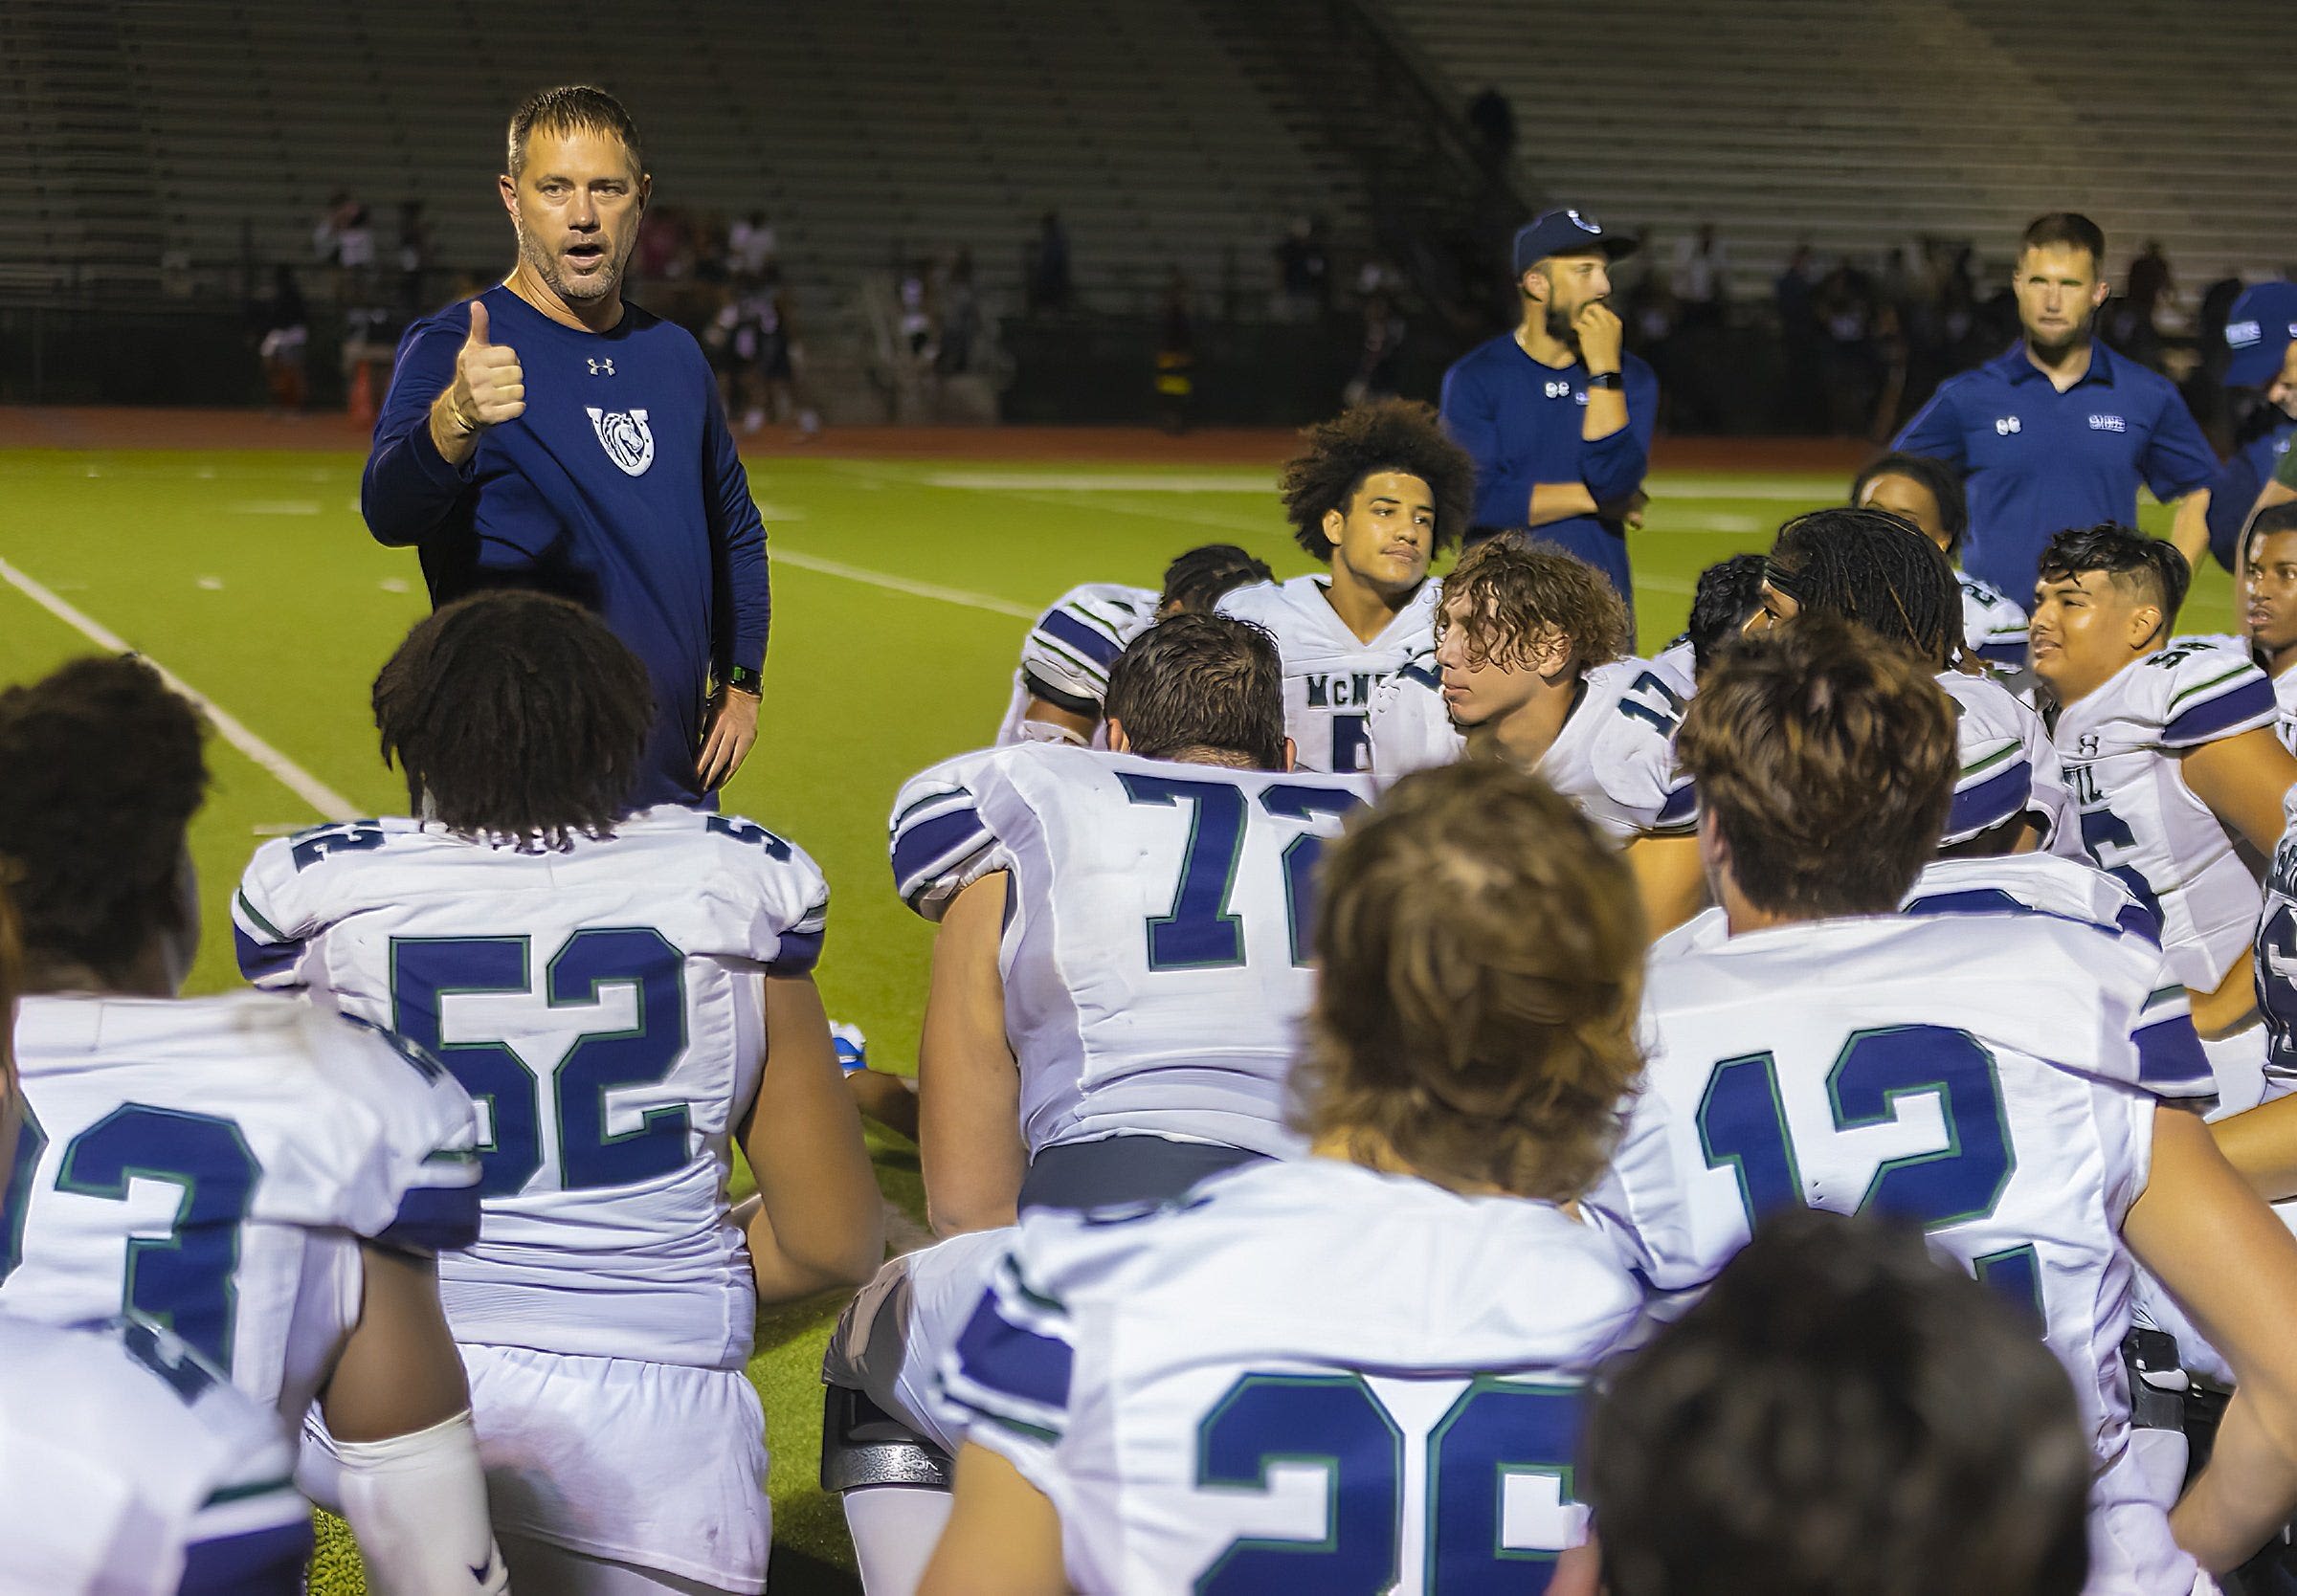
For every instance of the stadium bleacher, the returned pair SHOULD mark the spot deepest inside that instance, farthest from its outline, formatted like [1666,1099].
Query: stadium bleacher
[1858,128]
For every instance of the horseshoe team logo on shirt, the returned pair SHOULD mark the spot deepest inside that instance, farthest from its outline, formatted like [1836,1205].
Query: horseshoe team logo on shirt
[624,436]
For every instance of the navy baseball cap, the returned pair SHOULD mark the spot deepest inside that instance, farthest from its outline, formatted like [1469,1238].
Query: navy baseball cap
[1567,232]
[2258,331]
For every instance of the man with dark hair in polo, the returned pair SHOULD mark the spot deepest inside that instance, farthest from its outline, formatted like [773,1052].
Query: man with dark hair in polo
[549,435]
[2057,430]
[1555,414]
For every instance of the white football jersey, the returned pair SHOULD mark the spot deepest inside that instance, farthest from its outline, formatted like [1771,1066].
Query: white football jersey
[1066,656]
[1679,660]
[1994,627]
[1329,673]
[1157,934]
[1998,1089]
[2277,960]
[605,1007]
[1303,1376]
[1615,757]
[131,1469]
[211,1164]
[2142,823]
[2008,766]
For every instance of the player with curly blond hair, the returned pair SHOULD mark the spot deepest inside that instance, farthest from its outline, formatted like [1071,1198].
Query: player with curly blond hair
[1531,666]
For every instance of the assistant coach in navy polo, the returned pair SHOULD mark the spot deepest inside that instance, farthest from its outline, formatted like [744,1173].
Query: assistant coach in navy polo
[548,434]
[2059,430]
[1558,419]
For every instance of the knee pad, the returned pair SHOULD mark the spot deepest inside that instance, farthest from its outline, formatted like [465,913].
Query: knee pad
[861,1443]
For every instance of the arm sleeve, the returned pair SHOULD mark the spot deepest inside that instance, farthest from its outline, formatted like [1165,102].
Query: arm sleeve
[1936,430]
[1007,1382]
[738,537]
[408,487]
[2177,459]
[1614,466]
[418,1190]
[941,844]
[776,898]
[2213,694]
[1502,498]
[270,928]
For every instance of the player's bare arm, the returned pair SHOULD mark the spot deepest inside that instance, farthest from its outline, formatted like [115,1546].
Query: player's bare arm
[2233,1266]
[968,1087]
[2243,779]
[1669,879]
[2189,533]
[1003,1537]
[819,1223]
[2261,1143]
[488,389]
[397,1406]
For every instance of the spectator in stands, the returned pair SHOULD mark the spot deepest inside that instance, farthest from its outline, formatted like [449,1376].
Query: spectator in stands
[571,491]
[1841,1413]
[1491,115]
[1795,299]
[752,245]
[2057,430]
[1701,279]
[1555,414]
[414,256]
[2261,380]
[287,338]
[1175,355]
[1378,355]
[1849,374]
[1049,287]
[1303,271]
[961,319]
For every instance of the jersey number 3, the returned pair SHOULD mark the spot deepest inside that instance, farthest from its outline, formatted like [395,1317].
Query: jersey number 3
[425,970]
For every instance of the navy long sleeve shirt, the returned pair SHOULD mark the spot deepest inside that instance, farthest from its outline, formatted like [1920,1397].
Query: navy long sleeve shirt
[2040,462]
[619,488]
[2237,485]
[1520,422]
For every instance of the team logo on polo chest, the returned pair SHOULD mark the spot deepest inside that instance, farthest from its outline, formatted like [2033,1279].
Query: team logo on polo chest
[625,438]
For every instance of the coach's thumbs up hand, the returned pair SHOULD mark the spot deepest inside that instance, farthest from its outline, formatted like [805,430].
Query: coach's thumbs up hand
[489,388]
[487,380]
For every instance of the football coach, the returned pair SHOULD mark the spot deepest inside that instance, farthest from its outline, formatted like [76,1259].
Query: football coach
[2059,430]
[1556,416]
[548,435]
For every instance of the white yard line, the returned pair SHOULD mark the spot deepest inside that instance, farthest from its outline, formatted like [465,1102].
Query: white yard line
[329,803]
[777,555]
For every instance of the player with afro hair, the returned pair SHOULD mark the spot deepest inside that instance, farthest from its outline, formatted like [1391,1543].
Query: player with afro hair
[1394,437]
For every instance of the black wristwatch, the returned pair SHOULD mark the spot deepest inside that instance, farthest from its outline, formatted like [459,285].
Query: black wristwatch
[743,680]
[1606,379]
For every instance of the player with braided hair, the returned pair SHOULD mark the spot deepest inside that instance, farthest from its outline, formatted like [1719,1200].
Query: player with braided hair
[1128,1379]
[1377,491]
[322,1164]
[1928,495]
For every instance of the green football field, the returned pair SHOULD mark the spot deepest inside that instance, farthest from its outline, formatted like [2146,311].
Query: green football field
[902,591]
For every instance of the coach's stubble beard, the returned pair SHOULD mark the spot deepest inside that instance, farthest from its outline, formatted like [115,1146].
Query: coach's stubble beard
[602,284]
